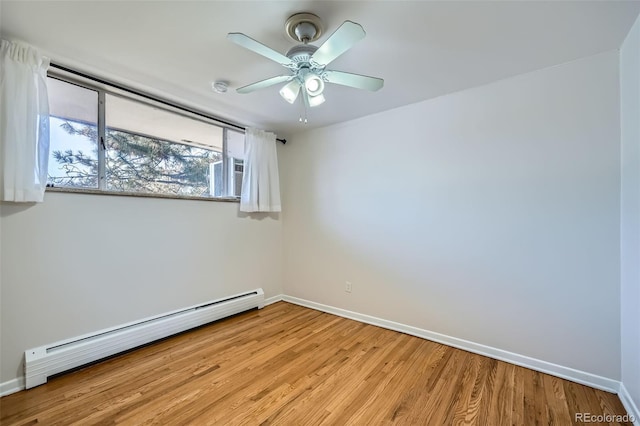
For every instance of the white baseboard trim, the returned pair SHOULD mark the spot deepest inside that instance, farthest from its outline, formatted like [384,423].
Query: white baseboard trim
[629,405]
[270,300]
[12,386]
[571,374]
[18,384]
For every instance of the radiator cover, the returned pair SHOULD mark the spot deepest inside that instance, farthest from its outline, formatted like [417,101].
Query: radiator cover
[45,361]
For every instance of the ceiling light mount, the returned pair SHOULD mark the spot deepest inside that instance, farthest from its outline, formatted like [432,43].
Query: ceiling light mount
[304,27]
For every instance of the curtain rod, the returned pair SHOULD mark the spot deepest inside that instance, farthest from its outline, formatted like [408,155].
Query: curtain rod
[151,98]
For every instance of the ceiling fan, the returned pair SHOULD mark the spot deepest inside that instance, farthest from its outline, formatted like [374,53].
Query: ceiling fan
[307,63]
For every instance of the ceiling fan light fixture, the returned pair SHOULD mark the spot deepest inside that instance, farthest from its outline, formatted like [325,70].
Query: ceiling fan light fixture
[316,100]
[306,63]
[313,84]
[289,91]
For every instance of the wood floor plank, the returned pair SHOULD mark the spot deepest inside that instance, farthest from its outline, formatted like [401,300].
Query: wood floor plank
[555,398]
[286,364]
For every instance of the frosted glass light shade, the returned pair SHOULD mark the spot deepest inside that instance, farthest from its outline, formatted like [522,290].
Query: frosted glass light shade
[316,100]
[290,91]
[313,84]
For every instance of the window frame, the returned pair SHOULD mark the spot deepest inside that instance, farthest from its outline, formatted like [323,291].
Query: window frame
[103,88]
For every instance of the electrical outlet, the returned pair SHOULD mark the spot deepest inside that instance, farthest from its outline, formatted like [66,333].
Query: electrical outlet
[347,287]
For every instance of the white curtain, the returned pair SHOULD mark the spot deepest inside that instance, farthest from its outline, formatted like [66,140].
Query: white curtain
[24,122]
[260,183]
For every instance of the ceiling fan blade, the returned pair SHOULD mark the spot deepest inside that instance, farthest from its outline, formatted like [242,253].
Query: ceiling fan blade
[259,48]
[354,80]
[348,34]
[264,83]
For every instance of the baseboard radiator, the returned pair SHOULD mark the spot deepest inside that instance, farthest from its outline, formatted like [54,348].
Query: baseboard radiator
[45,361]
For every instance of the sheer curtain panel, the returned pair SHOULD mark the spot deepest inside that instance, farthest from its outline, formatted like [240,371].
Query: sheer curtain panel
[24,122]
[260,183]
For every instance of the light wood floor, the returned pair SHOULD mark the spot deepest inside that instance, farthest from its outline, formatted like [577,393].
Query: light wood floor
[290,365]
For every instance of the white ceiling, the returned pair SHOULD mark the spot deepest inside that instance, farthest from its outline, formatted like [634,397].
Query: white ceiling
[422,49]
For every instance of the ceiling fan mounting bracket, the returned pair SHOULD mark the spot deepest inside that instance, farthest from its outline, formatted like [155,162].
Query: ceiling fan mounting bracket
[304,27]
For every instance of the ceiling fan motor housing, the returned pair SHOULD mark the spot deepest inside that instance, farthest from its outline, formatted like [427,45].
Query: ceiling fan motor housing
[301,53]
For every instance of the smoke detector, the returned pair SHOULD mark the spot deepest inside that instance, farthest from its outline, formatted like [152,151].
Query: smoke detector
[220,86]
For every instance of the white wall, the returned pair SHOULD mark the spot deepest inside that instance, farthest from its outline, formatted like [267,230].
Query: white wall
[79,263]
[490,215]
[630,211]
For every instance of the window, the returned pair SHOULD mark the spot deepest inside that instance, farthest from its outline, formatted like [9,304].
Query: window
[73,120]
[111,141]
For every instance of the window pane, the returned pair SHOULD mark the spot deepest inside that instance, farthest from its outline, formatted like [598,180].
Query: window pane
[153,150]
[235,144]
[232,186]
[235,158]
[73,117]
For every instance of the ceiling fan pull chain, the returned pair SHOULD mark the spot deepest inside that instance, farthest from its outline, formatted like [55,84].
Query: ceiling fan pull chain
[303,110]
[305,117]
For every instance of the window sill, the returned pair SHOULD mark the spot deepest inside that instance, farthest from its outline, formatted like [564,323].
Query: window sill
[140,194]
